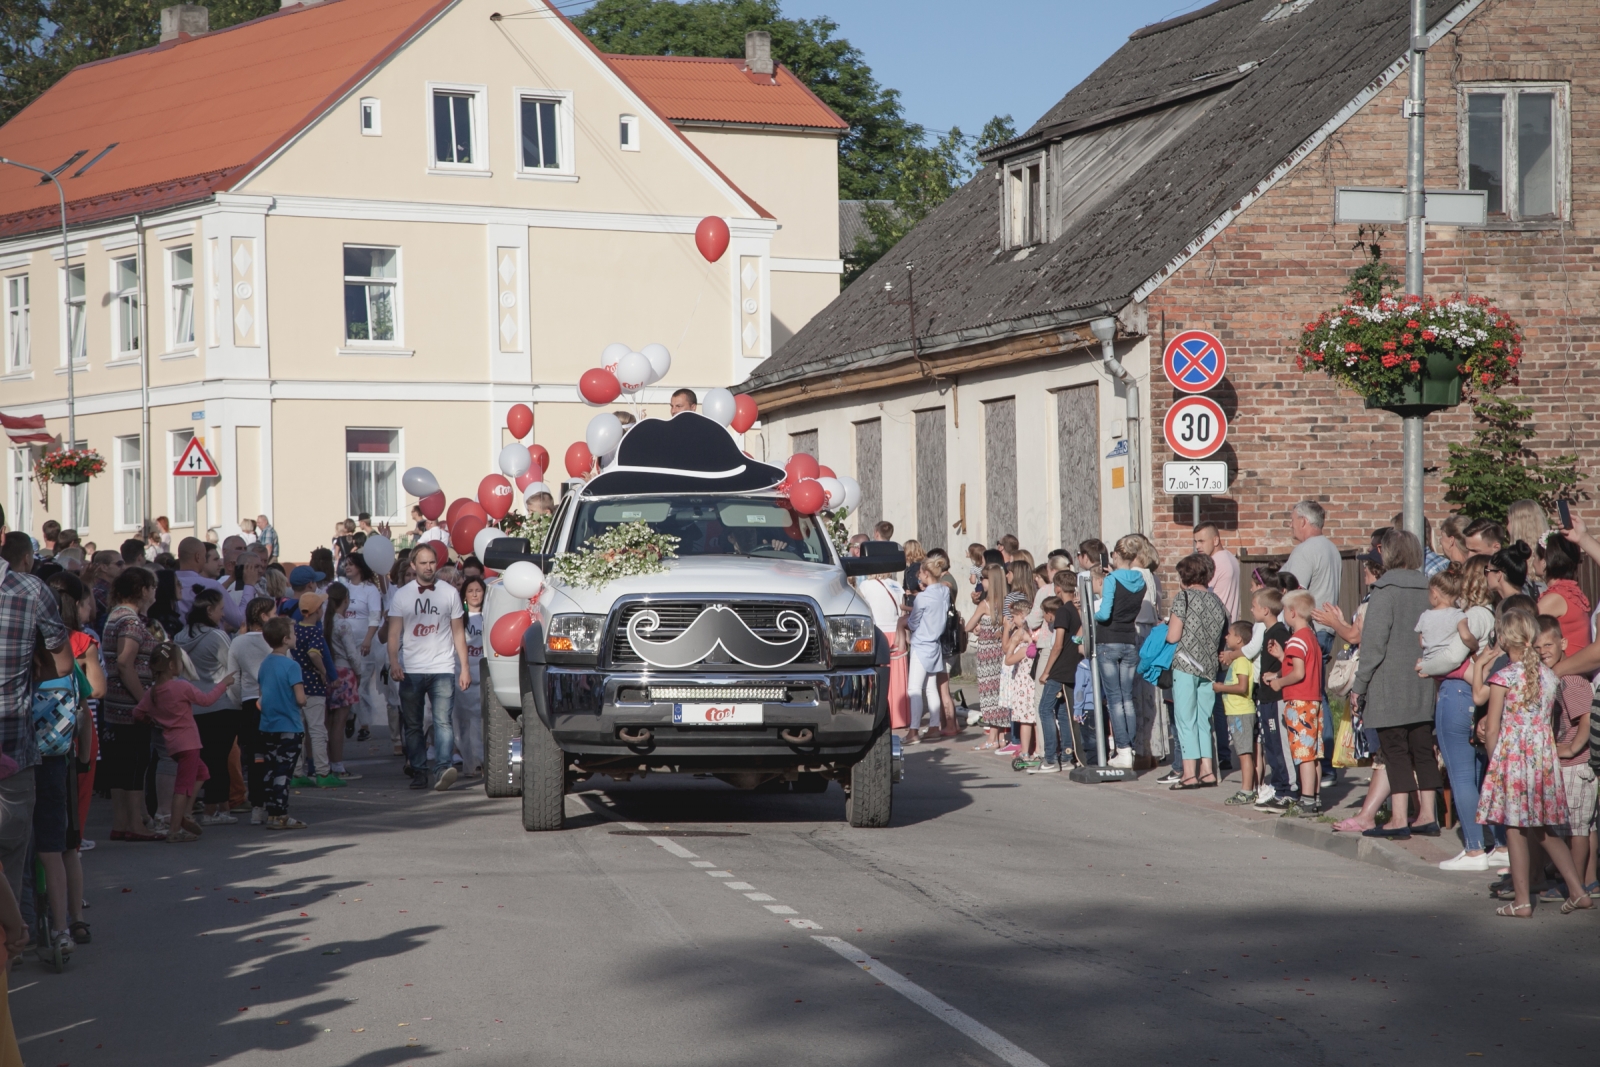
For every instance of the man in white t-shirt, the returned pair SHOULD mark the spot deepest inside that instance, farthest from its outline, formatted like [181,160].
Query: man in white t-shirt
[428,657]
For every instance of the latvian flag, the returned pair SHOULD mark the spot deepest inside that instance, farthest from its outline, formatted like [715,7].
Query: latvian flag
[26,429]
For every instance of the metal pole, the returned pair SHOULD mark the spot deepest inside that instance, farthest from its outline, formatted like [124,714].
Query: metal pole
[1411,425]
[1086,598]
[1196,509]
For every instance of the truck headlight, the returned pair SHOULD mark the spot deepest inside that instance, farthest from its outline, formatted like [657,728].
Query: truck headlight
[575,633]
[852,635]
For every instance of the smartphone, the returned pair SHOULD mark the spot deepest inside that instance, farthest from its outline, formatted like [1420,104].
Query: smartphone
[1566,514]
[1105,561]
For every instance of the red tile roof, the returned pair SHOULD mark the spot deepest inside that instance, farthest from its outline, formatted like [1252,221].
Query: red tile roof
[193,115]
[693,89]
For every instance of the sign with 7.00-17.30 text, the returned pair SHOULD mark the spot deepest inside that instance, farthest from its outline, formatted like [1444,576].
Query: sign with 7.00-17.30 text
[1202,476]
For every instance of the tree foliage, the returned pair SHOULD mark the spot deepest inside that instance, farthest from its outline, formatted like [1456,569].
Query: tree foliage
[41,40]
[1497,468]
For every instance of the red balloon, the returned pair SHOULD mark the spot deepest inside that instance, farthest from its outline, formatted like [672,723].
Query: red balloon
[826,472]
[540,456]
[807,497]
[745,413]
[432,505]
[519,420]
[533,474]
[455,509]
[464,531]
[505,636]
[711,238]
[599,386]
[802,465]
[494,496]
[579,459]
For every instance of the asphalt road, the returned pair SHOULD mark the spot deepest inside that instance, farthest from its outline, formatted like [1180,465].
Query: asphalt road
[1001,920]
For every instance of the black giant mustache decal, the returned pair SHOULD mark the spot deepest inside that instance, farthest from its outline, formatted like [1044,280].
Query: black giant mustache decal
[718,625]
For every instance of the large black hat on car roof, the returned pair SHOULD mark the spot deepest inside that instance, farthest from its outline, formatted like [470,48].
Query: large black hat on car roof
[687,453]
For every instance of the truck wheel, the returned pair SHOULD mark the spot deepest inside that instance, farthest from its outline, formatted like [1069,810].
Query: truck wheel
[870,802]
[499,728]
[544,777]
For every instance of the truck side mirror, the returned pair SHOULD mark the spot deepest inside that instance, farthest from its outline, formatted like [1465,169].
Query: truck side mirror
[874,563]
[504,551]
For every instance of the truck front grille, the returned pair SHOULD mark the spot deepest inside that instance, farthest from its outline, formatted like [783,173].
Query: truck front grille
[676,615]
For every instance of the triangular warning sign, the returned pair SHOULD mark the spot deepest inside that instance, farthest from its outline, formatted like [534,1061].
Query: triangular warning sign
[195,463]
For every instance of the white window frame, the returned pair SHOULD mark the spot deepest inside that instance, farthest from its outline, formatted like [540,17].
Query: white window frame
[369,116]
[1018,228]
[121,469]
[19,488]
[627,132]
[1511,190]
[180,505]
[80,305]
[176,289]
[125,302]
[480,127]
[18,331]
[213,294]
[397,456]
[565,142]
[396,346]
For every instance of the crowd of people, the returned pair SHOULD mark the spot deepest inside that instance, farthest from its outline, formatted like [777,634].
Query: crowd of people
[203,687]
[1464,678]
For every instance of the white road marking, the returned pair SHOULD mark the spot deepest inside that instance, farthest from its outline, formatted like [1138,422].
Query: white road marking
[784,909]
[759,896]
[632,826]
[720,874]
[674,848]
[702,863]
[802,924]
[931,1004]
[57,1030]
[741,886]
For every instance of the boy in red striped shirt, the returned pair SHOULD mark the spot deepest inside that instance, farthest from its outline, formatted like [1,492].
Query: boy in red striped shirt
[1300,685]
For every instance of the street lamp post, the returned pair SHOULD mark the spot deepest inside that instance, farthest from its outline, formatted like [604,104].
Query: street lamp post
[66,298]
[1411,423]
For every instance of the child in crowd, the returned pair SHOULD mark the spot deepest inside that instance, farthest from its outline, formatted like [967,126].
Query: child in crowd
[245,656]
[1280,790]
[1444,623]
[311,651]
[1523,790]
[1239,708]
[1016,681]
[283,695]
[1299,683]
[169,703]
[466,711]
[1572,747]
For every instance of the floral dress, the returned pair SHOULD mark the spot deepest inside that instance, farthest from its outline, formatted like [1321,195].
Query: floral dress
[1524,786]
[1016,691]
[986,650]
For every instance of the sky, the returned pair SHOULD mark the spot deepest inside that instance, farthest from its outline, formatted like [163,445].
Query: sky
[960,62]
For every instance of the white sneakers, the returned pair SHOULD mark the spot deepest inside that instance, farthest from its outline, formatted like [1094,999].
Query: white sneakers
[221,818]
[258,816]
[1122,759]
[1464,861]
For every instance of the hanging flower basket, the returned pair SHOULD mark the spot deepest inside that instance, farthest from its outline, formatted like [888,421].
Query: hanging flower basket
[1412,356]
[70,466]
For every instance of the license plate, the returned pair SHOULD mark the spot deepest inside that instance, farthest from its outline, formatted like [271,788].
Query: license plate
[716,714]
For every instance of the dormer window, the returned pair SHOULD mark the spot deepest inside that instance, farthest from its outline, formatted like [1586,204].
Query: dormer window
[1023,202]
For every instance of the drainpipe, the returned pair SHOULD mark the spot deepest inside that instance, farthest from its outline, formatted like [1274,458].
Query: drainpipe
[1105,331]
[144,379]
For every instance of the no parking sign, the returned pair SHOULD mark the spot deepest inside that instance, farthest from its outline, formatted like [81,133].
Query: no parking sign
[1194,362]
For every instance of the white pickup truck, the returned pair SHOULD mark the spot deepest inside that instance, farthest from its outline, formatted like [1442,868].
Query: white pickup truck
[749,657]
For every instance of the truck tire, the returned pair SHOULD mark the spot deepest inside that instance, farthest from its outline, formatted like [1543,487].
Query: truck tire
[871,798]
[499,728]
[544,777]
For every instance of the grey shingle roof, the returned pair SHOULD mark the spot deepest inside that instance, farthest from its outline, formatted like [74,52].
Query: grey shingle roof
[1307,66]
[853,223]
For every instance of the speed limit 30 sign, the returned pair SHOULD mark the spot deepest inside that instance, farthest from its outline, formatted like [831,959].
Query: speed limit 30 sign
[1195,427]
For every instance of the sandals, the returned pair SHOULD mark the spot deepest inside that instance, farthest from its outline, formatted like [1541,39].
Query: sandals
[80,932]
[1181,786]
[1572,904]
[1509,911]
[181,837]
[135,835]
[1209,785]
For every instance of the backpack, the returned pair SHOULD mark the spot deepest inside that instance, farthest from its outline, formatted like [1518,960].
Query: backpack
[55,715]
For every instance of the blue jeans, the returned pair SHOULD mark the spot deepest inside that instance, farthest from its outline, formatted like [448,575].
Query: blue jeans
[1119,667]
[413,689]
[1055,714]
[1325,642]
[1272,747]
[1453,730]
[1192,702]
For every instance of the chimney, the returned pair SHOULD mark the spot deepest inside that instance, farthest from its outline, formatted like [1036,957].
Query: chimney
[758,52]
[191,19]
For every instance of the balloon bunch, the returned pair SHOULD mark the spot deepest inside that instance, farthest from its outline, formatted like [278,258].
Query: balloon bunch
[522,580]
[812,487]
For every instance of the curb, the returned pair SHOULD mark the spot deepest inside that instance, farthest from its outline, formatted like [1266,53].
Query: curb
[1355,847]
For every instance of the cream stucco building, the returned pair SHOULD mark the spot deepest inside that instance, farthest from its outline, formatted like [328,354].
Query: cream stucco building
[344,239]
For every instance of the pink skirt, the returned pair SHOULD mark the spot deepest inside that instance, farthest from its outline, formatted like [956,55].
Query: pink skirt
[899,699]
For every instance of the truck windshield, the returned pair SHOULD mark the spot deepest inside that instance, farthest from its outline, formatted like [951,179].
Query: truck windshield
[764,527]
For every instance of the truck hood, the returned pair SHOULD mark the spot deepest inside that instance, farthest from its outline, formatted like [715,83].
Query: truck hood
[695,576]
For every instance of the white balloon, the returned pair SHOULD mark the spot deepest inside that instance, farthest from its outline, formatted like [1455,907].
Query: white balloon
[480,544]
[604,434]
[379,553]
[634,372]
[835,490]
[718,406]
[515,460]
[536,487]
[419,481]
[660,360]
[852,491]
[613,354]
[522,579]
